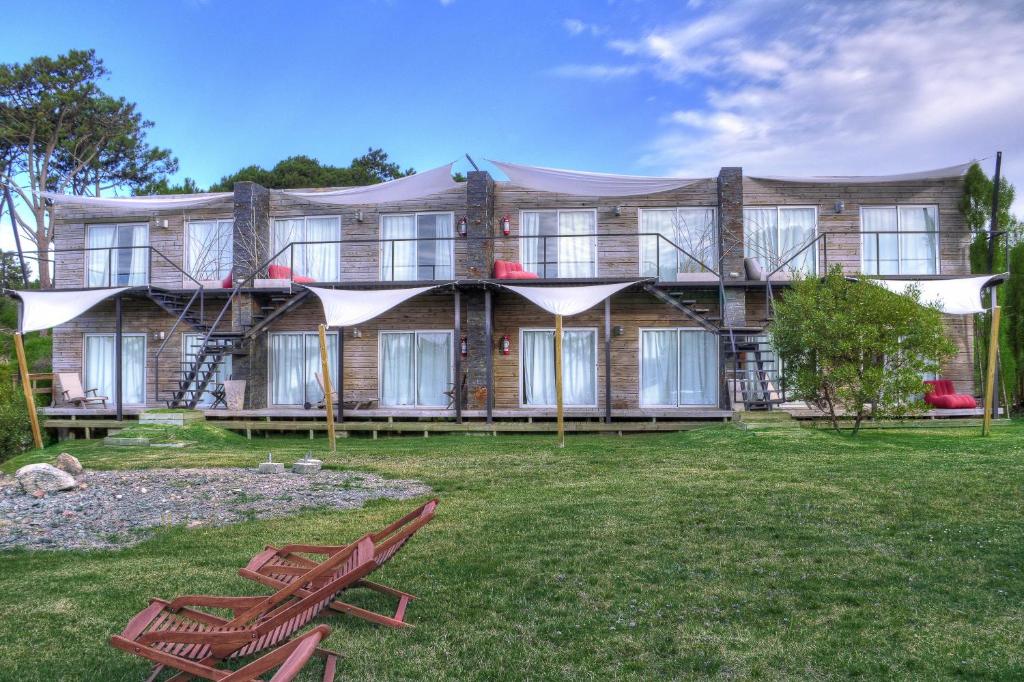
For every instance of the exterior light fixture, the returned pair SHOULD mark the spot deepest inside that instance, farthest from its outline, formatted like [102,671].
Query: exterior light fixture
[840,206]
[506,225]
[618,211]
[464,346]
[356,333]
[618,330]
[463,226]
[359,215]
[159,336]
[505,345]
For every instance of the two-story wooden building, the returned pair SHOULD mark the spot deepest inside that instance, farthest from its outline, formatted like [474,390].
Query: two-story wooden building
[218,290]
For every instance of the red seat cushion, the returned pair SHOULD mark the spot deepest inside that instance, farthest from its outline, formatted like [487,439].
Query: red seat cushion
[279,272]
[943,396]
[302,280]
[504,269]
[227,282]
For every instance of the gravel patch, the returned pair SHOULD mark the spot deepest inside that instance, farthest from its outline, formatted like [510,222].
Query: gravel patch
[120,508]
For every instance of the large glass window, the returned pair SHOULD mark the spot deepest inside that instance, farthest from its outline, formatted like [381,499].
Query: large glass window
[317,250]
[559,243]
[777,236]
[295,364]
[190,348]
[416,246]
[99,366]
[415,368]
[117,255]
[900,240]
[208,249]
[693,230]
[678,367]
[579,367]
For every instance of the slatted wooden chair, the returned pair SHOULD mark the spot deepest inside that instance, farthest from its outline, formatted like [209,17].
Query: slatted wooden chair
[71,388]
[181,636]
[278,567]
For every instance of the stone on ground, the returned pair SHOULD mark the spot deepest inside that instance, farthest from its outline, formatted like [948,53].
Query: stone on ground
[45,478]
[69,463]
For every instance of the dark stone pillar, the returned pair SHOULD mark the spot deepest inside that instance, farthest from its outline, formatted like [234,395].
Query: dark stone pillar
[479,265]
[730,240]
[252,246]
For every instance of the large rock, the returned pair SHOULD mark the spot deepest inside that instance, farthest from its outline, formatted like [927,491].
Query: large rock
[43,478]
[69,463]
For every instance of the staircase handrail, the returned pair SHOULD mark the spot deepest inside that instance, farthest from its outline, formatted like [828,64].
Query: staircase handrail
[170,335]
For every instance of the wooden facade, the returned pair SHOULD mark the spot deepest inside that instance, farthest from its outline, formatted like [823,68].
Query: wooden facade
[617,255]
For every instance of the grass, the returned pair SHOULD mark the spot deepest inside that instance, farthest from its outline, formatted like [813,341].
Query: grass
[712,553]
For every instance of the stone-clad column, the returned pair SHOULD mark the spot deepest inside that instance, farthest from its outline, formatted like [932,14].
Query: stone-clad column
[251,246]
[479,265]
[730,241]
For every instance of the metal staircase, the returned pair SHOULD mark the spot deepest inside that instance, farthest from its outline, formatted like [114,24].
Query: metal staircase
[753,371]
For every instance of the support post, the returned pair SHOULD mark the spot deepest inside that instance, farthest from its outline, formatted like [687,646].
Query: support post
[341,375]
[328,403]
[119,357]
[457,387]
[559,409]
[990,374]
[608,360]
[489,364]
[26,387]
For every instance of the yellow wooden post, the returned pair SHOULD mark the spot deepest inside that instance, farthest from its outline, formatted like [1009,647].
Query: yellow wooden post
[990,373]
[328,403]
[559,408]
[26,387]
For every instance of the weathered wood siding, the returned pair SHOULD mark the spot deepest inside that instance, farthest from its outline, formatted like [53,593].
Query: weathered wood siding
[617,256]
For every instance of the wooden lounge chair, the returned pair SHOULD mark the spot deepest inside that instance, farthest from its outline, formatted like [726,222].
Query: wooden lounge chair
[178,635]
[323,400]
[280,567]
[71,387]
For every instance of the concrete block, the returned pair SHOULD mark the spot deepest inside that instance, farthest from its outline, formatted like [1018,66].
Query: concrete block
[307,466]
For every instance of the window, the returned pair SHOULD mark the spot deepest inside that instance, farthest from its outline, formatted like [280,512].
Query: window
[559,243]
[190,344]
[678,367]
[99,366]
[416,246]
[900,240]
[117,255]
[776,236]
[415,368]
[317,250]
[579,367]
[208,249]
[693,230]
[295,364]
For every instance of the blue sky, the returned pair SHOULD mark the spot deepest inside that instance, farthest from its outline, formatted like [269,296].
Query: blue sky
[617,85]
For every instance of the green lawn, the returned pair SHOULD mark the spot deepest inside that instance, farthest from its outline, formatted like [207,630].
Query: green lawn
[776,554]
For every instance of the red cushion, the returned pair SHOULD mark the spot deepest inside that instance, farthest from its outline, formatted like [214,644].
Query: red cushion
[227,283]
[279,272]
[504,269]
[944,396]
[302,280]
[523,274]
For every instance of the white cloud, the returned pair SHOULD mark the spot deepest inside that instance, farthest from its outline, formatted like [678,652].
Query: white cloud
[575,27]
[835,88]
[593,71]
[445,3]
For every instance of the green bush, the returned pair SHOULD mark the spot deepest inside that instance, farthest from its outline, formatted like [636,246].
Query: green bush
[15,433]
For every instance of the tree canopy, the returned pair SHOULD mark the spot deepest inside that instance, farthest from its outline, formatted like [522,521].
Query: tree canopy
[854,346]
[304,171]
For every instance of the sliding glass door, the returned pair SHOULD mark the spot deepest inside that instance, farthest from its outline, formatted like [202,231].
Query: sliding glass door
[668,232]
[99,366]
[295,365]
[579,367]
[416,247]
[678,367]
[316,253]
[559,243]
[209,245]
[415,368]
[117,255]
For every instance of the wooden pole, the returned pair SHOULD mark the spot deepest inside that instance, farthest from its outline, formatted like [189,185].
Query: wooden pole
[326,374]
[990,374]
[608,360]
[119,357]
[341,374]
[559,409]
[26,388]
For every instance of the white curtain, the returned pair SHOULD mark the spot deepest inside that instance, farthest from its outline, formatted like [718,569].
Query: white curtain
[691,229]
[210,247]
[797,229]
[288,231]
[398,258]
[397,369]
[881,251]
[136,272]
[529,245]
[99,366]
[659,363]
[436,250]
[313,365]
[579,357]
[657,257]
[433,368]
[576,246]
[100,259]
[538,367]
[918,241]
[761,236]
[698,368]
[294,362]
[321,261]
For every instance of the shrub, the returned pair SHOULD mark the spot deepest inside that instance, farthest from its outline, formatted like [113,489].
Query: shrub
[15,433]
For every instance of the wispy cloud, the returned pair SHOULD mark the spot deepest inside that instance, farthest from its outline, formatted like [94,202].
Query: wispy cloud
[823,87]
[594,71]
[575,27]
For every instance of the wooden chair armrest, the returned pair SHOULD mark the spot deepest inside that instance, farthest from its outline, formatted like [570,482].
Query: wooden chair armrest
[214,601]
[65,393]
[291,657]
[91,390]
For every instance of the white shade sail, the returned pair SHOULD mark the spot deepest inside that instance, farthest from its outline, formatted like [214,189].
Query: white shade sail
[587,184]
[934,174]
[46,309]
[144,204]
[348,307]
[567,301]
[410,187]
[960,296]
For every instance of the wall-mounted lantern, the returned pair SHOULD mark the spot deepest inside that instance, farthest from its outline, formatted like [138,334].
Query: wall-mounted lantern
[464,346]
[356,333]
[506,225]
[840,206]
[505,345]
[463,226]
[359,215]
[618,330]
